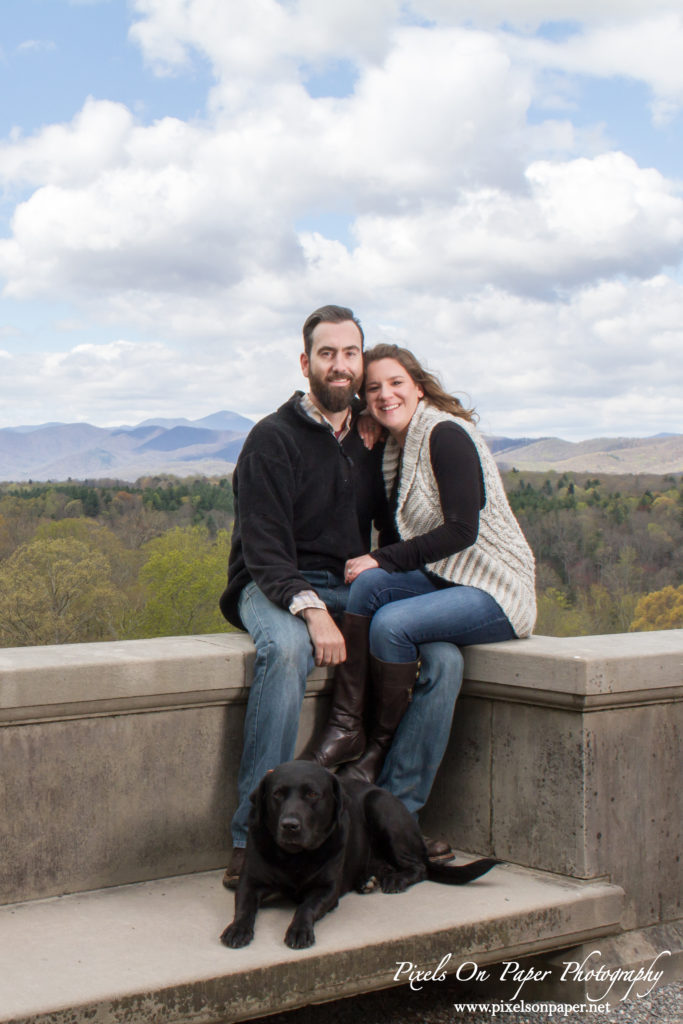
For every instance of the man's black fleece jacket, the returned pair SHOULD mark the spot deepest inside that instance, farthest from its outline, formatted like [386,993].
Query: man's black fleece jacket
[302,502]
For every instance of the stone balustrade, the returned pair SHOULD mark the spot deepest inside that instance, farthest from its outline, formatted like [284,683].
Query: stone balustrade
[119,764]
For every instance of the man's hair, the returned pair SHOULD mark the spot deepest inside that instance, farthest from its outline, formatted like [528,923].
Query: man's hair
[328,315]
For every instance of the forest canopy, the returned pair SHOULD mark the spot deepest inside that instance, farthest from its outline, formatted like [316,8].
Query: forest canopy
[104,560]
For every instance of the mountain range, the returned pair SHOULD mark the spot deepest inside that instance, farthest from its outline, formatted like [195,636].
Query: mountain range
[80,451]
[210,446]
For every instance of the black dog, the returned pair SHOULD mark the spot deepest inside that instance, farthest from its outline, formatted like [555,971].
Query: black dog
[314,837]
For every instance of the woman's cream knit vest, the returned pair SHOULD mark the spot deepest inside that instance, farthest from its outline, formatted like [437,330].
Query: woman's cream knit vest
[500,561]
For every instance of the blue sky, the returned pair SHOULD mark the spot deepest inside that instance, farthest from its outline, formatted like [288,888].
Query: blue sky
[56,53]
[182,181]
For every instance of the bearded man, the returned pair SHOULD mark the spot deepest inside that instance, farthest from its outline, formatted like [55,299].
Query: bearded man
[307,492]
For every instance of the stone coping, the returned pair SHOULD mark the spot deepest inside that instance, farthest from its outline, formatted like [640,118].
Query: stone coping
[150,951]
[586,672]
[592,672]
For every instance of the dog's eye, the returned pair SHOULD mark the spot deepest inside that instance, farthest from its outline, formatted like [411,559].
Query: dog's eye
[311,794]
[278,794]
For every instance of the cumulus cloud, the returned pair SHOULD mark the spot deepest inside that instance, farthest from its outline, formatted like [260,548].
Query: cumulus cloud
[264,39]
[603,362]
[600,363]
[530,14]
[68,154]
[109,384]
[576,221]
[646,49]
[524,260]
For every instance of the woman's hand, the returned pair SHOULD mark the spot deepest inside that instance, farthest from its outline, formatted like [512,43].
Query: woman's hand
[355,566]
[369,429]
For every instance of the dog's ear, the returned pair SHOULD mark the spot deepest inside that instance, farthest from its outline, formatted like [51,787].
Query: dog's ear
[339,799]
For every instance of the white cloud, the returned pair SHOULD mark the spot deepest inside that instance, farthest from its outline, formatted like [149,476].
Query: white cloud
[264,39]
[578,220]
[601,363]
[604,362]
[173,208]
[646,49]
[35,45]
[525,261]
[71,153]
[530,14]
[109,384]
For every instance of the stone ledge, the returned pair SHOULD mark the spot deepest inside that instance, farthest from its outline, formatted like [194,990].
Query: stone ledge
[84,680]
[150,951]
[580,673]
[583,672]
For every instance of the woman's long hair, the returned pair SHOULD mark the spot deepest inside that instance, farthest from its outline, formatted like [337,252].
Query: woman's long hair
[429,383]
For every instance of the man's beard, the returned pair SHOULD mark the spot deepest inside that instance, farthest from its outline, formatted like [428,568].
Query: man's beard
[333,398]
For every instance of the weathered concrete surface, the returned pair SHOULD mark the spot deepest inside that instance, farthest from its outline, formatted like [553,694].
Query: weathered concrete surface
[637,961]
[101,678]
[604,970]
[150,952]
[580,671]
[120,760]
[578,770]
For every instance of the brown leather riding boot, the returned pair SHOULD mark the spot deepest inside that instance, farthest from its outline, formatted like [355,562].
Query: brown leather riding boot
[392,690]
[344,736]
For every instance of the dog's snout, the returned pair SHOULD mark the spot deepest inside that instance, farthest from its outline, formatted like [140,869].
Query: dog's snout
[290,825]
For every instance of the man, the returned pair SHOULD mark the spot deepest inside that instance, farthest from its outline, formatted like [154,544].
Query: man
[306,494]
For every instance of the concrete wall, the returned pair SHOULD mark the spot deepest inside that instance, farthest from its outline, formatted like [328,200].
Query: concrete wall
[119,761]
[566,756]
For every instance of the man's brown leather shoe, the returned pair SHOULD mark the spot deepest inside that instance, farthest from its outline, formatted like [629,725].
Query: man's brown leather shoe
[232,872]
[438,850]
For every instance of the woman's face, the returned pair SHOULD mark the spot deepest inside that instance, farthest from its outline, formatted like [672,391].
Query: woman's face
[392,396]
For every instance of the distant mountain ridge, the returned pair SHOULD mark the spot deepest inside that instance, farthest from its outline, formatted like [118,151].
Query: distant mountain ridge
[210,447]
[661,455]
[80,451]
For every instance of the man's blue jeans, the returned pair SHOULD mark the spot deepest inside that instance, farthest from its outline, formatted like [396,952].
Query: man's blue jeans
[409,610]
[284,658]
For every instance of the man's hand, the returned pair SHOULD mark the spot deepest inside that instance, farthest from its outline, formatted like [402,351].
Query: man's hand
[369,429]
[355,566]
[328,642]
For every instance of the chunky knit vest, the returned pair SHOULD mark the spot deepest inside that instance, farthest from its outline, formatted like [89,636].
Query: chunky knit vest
[500,562]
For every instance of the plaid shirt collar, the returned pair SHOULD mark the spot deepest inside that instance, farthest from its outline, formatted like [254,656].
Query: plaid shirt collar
[315,414]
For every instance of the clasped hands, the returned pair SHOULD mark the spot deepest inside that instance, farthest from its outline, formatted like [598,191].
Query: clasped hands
[355,566]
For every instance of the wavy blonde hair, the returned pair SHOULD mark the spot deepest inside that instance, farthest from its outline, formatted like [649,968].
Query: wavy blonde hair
[430,384]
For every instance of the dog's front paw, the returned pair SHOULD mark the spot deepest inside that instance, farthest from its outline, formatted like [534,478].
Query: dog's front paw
[299,936]
[394,882]
[237,935]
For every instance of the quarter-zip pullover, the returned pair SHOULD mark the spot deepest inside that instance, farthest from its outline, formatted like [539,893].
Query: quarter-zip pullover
[303,502]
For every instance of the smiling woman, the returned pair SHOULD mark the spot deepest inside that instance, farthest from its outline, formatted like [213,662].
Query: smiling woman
[392,396]
[459,571]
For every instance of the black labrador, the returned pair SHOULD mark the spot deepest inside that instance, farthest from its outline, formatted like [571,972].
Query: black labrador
[314,837]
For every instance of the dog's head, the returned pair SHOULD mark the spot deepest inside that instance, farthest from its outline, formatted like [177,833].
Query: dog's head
[299,803]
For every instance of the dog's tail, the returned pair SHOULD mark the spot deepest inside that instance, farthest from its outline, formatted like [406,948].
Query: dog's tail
[459,874]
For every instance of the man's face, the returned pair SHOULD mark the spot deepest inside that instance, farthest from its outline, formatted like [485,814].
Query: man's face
[335,366]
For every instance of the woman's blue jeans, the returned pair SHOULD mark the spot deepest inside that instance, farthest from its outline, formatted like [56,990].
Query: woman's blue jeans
[408,609]
[284,658]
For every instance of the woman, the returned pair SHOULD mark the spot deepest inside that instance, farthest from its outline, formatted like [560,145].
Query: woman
[460,569]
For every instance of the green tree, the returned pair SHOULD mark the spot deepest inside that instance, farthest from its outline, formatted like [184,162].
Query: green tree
[56,591]
[124,565]
[183,578]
